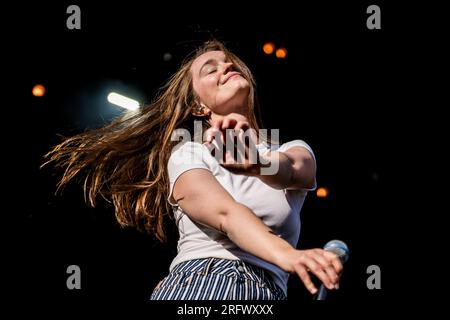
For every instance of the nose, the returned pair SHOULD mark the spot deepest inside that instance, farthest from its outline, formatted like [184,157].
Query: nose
[227,67]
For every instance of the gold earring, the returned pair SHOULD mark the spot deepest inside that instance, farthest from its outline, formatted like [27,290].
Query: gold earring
[200,109]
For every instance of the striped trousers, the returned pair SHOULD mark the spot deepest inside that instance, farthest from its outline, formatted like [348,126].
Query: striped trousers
[217,279]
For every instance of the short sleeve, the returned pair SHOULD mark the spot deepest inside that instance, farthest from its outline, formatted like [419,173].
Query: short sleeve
[189,155]
[300,143]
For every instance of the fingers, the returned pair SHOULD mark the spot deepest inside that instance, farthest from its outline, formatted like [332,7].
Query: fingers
[221,125]
[242,149]
[213,133]
[319,271]
[326,266]
[231,123]
[237,153]
[306,279]
[335,261]
[228,123]
[242,125]
[217,124]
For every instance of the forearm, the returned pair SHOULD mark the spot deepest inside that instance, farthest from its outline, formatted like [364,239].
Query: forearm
[282,178]
[249,233]
[245,229]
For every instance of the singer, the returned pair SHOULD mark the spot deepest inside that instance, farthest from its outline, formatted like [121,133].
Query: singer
[238,224]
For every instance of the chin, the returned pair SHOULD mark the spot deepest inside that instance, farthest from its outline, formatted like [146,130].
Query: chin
[242,83]
[234,97]
[240,89]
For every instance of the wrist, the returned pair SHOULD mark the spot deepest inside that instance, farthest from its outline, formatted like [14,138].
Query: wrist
[284,259]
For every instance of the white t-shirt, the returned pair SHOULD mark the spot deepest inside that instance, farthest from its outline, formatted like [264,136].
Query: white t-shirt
[278,209]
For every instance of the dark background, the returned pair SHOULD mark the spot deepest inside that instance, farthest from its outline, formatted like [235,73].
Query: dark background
[341,89]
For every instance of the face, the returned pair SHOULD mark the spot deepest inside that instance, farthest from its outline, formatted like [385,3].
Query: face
[218,85]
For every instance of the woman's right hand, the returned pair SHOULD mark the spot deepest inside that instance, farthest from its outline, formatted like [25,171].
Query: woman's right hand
[325,265]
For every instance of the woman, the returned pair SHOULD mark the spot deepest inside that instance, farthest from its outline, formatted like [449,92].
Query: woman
[238,224]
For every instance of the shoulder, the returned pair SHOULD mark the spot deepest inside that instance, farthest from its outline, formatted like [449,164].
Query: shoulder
[296,144]
[304,163]
[189,149]
[286,146]
[188,155]
[293,144]
[188,146]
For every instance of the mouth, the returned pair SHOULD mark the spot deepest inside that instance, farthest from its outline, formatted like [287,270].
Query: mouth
[231,75]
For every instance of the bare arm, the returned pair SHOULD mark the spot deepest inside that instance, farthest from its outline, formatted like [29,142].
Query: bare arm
[296,166]
[205,201]
[296,169]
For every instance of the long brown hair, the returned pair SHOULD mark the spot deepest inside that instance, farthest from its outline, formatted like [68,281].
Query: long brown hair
[125,161]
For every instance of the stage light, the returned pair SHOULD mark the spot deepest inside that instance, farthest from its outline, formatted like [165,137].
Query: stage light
[268,48]
[281,53]
[123,101]
[38,90]
[322,192]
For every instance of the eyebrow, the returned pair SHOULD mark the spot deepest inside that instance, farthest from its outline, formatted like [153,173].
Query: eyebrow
[209,61]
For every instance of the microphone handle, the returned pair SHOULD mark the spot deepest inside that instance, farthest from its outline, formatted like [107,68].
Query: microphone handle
[322,294]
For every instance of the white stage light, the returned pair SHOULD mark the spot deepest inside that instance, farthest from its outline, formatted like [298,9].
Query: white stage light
[123,101]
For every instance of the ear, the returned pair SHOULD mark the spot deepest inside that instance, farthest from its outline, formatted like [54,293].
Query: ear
[200,110]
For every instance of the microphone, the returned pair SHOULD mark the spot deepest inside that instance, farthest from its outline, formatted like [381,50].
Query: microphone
[339,248]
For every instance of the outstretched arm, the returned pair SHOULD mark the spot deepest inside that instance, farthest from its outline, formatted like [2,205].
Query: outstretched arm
[205,201]
[296,166]
[296,169]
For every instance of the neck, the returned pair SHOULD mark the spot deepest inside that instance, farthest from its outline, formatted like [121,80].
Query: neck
[238,112]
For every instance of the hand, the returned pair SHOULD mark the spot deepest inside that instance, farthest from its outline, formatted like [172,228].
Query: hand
[219,124]
[244,157]
[325,265]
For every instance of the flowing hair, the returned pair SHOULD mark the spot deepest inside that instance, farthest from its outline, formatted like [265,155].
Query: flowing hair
[125,162]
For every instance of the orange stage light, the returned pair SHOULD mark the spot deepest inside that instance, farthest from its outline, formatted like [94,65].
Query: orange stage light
[281,53]
[38,90]
[268,48]
[322,192]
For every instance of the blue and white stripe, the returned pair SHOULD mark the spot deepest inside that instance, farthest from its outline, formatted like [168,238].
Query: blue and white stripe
[217,279]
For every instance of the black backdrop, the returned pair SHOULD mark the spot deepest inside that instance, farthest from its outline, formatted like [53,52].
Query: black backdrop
[338,89]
